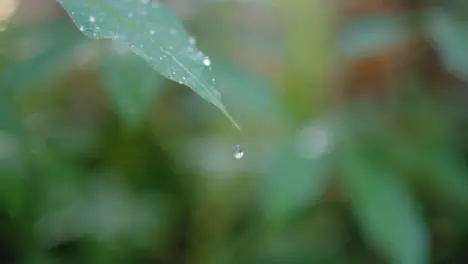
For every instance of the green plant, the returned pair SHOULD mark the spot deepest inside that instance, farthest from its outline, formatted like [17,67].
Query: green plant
[105,157]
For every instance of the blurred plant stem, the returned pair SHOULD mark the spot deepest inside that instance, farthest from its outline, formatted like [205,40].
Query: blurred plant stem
[308,25]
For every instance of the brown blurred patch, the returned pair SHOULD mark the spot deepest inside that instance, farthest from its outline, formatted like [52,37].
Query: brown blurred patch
[353,9]
[372,78]
[29,11]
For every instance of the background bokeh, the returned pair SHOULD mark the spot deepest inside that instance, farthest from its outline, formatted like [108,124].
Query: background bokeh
[354,121]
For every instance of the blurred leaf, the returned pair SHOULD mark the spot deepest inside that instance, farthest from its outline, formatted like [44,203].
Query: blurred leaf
[292,182]
[45,66]
[71,205]
[54,30]
[433,158]
[152,32]
[448,172]
[12,187]
[385,210]
[246,93]
[131,84]
[367,36]
[441,168]
[9,122]
[451,39]
[106,211]
[12,192]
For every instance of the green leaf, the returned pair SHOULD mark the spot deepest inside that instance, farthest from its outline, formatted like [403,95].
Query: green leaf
[131,85]
[371,35]
[388,216]
[154,33]
[451,39]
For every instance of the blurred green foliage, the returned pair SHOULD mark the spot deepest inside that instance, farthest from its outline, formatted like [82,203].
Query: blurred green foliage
[104,160]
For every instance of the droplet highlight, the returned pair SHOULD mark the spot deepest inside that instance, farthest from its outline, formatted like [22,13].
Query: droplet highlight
[238,152]
[207,61]
[192,40]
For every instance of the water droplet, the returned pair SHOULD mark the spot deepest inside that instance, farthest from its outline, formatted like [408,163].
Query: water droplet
[92,19]
[238,152]
[192,40]
[206,61]
[81,28]
[152,32]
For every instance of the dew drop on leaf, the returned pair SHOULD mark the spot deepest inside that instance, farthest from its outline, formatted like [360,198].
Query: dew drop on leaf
[154,33]
[207,61]
[192,41]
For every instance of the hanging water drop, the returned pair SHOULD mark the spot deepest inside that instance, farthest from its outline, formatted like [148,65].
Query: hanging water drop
[238,152]
[92,19]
